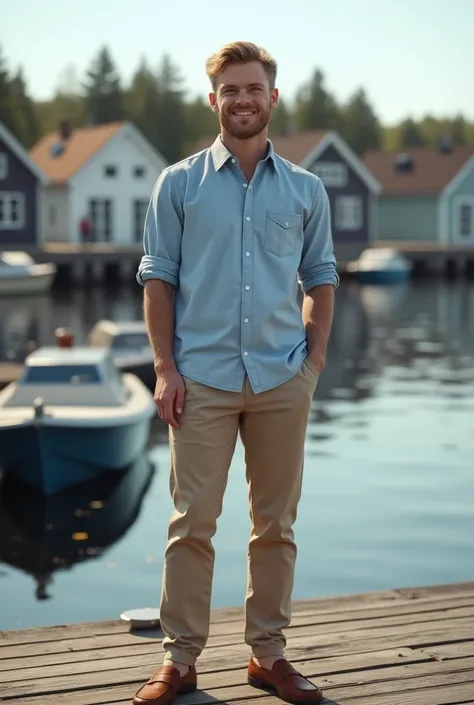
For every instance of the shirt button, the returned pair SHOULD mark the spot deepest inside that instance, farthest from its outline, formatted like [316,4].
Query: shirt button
[286,225]
[247,218]
[244,185]
[247,287]
[250,186]
[245,353]
[233,161]
[247,254]
[246,320]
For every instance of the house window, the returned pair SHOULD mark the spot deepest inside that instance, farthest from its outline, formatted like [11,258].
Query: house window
[466,219]
[101,215]
[110,171]
[333,174]
[12,211]
[349,213]
[3,166]
[139,172]
[139,212]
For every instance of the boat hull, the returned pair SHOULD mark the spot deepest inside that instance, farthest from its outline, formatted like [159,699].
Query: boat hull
[54,458]
[27,284]
[382,276]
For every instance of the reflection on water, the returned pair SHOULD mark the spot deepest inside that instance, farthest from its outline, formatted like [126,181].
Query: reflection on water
[42,535]
[389,474]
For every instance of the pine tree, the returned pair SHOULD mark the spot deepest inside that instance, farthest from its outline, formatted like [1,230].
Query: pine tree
[104,100]
[360,126]
[315,107]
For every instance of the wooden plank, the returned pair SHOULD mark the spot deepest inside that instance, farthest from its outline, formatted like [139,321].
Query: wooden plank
[292,634]
[301,611]
[362,683]
[149,662]
[323,634]
[450,651]
[363,640]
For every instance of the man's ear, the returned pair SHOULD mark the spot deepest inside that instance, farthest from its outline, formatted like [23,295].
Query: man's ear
[213,102]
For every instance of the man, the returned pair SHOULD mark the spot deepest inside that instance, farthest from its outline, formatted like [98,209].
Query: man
[228,233]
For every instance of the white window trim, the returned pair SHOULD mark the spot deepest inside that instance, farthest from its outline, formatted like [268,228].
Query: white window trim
[6,197]
[138,233]
[458,202]
[332,174]
[342,221]
[3,165]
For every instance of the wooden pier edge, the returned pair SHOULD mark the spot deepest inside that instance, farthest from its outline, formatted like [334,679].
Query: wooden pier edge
[407,646]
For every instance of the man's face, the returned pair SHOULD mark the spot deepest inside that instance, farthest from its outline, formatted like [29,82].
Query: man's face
[243,99]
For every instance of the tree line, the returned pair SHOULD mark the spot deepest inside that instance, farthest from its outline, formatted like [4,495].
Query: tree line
[158,102]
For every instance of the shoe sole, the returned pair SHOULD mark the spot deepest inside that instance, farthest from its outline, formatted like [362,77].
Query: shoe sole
[270,689]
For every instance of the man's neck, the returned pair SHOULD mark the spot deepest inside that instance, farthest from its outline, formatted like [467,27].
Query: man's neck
[249,152]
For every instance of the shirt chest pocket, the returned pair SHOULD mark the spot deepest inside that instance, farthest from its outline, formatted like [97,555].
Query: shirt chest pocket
[283,231]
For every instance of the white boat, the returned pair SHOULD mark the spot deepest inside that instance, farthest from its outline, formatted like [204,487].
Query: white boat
[129,346]
[19,274]
[71,416]
[380,265]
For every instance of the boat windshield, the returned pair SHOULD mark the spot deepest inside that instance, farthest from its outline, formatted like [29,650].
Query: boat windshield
[130,341]
[62,374]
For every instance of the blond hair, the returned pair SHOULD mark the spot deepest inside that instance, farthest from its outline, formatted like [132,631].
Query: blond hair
[240,52]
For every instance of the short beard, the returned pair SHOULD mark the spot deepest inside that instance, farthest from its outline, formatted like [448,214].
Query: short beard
[246,132]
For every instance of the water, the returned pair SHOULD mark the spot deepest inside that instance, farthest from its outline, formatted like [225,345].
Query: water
[388,493]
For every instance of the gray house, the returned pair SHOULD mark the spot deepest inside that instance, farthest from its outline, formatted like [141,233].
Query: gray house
[428,194]
[351,187]
[21,194]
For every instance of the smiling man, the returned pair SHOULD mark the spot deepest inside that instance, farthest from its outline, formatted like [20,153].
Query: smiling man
[228,234]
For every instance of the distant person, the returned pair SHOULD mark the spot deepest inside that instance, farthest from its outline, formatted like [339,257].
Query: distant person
[85,227]
[228,232]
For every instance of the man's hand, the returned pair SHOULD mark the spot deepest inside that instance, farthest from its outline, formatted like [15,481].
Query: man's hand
[318,360]
[169,396]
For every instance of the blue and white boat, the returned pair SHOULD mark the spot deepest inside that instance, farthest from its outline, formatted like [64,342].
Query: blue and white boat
[380,265]
[71,416]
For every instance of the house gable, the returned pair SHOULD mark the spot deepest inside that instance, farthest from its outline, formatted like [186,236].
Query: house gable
[20,197]
[14,146]
[345,154]
[456,198]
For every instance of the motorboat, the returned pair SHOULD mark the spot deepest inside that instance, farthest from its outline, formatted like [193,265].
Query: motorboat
[380,265]
[70,416]
[129,345]
[20,274]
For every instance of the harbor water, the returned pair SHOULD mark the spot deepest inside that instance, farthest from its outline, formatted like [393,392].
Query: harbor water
[388,492]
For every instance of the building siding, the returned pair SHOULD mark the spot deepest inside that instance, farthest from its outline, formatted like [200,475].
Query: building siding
[20,179]
[407,218]
[464,192]
[347,244]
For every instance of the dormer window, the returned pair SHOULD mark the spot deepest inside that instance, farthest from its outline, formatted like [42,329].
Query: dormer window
[3,165]
[110,171]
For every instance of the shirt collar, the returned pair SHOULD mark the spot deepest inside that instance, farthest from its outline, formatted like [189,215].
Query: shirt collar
[220,154]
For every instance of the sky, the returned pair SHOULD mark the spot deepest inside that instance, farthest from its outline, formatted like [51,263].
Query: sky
[412,56]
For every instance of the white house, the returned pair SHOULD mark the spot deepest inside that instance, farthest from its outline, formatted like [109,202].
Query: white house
[103,172]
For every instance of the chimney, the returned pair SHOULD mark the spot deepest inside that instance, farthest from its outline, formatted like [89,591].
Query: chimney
[65,130]
[445,144]
[404,163]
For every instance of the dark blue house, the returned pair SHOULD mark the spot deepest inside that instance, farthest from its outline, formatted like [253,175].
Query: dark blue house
[21,195]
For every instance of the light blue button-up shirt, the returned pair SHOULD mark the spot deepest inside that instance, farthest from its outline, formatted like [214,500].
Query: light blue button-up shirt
[236,253]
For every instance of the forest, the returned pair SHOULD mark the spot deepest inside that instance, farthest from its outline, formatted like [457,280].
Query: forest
[158,101]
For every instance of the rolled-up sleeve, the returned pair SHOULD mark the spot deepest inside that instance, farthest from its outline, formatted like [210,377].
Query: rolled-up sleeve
[162,233]
[318,263]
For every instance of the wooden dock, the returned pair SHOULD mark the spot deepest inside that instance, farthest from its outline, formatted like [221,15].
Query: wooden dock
[401,647]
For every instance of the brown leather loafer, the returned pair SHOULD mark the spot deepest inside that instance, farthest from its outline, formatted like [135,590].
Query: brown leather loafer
[164,685]
[283,680]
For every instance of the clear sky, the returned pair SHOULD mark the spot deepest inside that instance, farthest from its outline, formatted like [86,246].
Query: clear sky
[412,56]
